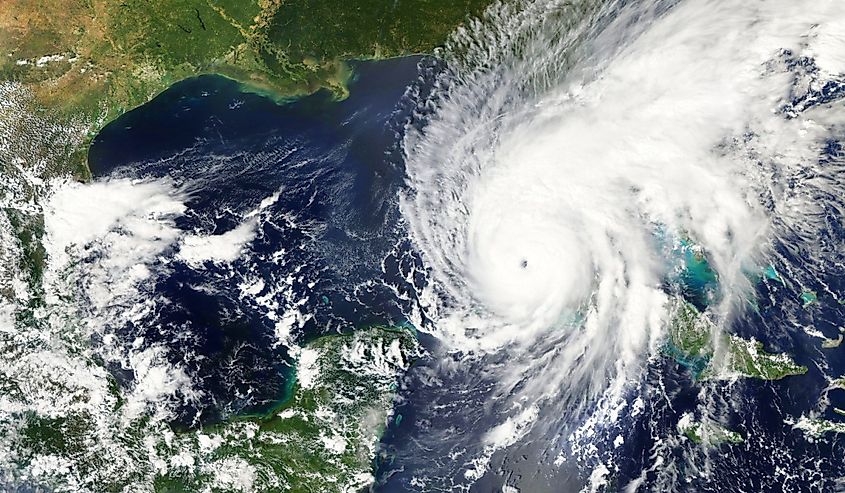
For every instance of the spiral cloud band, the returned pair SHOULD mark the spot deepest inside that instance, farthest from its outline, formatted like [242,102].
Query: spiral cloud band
[567,140]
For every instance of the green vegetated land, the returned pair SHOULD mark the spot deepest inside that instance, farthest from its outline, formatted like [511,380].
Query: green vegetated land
[693,341]
[710,354]
[89,61]
[324,438]
[707,432]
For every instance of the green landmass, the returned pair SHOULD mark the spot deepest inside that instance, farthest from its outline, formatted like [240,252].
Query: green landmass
[690,338]
[749,359]
[707,432]
[693,341]
[88,61]
[817,427]
[324,438]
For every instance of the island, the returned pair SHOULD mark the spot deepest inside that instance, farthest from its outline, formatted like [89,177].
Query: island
[693,341]
[707,432]
[816,427]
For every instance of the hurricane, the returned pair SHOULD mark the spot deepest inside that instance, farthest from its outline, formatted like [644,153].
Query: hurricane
[568,142]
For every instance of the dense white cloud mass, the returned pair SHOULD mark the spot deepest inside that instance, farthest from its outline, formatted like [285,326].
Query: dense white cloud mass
[567,137]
